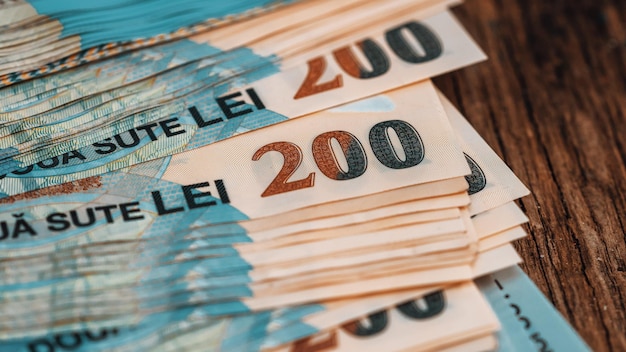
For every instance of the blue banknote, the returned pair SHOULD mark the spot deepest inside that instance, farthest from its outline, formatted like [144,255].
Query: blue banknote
[237,333]
[529,321]
[86,121]
[139,187]
[225,110]
[53,37]
[123,20]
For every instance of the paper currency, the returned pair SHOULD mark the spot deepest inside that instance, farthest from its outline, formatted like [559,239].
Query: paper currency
[439,319]
[150,204]
[444,146]
[201,127]
[443,344]
[361,111]
[492,183]
[529,320]
[78,34]
[252,186]
[473,145]
[108,257]
[163,330]
[487,262]
[279,40]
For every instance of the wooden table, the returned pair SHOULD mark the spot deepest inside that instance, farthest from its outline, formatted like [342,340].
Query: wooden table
[551,100]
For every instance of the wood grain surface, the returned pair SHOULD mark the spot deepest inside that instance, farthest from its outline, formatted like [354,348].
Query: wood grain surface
[551,100]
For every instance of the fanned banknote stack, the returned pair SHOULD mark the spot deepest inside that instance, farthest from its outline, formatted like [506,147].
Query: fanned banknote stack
[247,176]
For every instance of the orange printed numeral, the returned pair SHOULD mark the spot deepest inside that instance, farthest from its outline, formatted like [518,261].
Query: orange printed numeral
[378,61]
[292,159]
[310,344]
[311,86]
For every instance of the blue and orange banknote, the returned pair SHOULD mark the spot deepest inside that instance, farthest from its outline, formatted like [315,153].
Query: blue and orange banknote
[252,176]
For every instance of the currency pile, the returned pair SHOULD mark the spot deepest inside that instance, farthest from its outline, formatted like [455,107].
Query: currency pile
[247,176]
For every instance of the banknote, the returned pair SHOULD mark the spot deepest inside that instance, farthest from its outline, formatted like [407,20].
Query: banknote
[137,117]
[428,323]
[285,324]
[35,91]
[349,309]
[492,183]
[15,11]
[315,259]
[229,38]
[487,262]
[37,56]
[257,274]
[338,312]
[148,195]
[19,270]
[306,22]
[501,238]
[508,217]
[96,32]
[499,226]
[220,270]
[228,44]
[409,341]
[245,332]
[99,24]
[24,49]
[331,31]
[21,148]
[195,336]
[112,110]
[45,133]
[513,337]
[289,21]
[377,204]
[177,69]
[280,19]
[86,259]
[223,258]
[253,113]
[313,319]
[320,262]
[444,130]
[79,99]
[113,256]
[478,157]
[83,120]
[498,219]
[529,321]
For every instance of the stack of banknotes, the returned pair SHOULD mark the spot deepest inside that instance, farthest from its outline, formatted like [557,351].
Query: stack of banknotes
[252,176]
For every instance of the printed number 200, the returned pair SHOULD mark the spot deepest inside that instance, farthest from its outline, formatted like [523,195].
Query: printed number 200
[326,160]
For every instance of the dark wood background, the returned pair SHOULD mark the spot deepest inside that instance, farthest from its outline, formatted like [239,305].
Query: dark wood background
[551,100]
